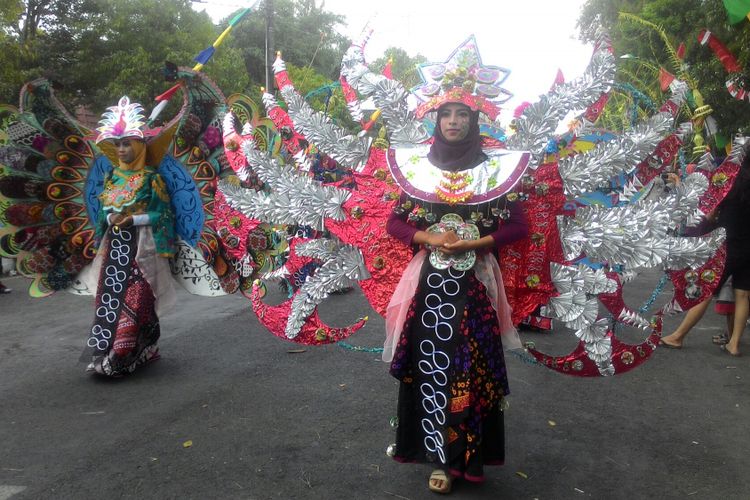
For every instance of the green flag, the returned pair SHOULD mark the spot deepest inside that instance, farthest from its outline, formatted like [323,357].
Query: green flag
[737,10]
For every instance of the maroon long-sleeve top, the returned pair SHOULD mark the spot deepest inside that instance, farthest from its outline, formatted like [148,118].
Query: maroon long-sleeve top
[512,229]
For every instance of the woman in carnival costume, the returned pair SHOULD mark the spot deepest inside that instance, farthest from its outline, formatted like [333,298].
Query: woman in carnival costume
[135,225]
[449,318]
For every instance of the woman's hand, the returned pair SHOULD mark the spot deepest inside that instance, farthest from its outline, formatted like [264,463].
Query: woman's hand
[449,243]
[459,246]
[439,240]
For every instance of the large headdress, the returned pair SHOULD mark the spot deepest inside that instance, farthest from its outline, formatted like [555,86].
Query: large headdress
[124,120]
[462,78]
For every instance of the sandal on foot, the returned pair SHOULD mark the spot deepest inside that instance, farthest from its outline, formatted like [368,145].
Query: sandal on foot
[720,339]
[439,482]
[669,346]
[726,350]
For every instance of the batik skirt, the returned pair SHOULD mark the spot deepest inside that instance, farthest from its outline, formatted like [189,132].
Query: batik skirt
[450,362]
[126,328]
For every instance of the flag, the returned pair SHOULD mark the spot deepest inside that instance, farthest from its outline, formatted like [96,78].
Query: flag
[681,51]
[665,78]
[559,79]
[737,10]
[388,71]
[208,53]
[201,59]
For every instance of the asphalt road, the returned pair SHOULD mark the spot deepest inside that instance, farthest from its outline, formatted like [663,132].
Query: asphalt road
[232,412]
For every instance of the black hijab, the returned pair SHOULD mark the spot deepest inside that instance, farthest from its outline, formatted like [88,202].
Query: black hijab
[461,155]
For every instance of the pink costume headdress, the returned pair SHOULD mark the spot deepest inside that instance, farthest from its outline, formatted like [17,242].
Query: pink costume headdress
[124,120]
[462,78]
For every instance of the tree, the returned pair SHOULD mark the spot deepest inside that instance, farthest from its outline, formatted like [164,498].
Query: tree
[304,32]
[680,21]
[403,66]
[98,50]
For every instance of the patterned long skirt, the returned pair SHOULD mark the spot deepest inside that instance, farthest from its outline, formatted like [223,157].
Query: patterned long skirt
[126,328]
[453,379]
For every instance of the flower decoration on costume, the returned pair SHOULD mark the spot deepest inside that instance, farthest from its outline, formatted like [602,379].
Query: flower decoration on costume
[462,78]
[124,120]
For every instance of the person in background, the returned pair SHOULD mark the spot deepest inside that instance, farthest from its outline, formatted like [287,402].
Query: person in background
[732,214]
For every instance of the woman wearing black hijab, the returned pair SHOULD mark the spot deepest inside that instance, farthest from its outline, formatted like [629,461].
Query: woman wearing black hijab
[447,316]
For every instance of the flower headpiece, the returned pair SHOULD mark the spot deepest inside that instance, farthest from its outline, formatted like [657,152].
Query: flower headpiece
[463,79]
[124,120]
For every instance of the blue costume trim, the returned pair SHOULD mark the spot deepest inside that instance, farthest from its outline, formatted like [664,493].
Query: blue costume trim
[95,178]
[185,199]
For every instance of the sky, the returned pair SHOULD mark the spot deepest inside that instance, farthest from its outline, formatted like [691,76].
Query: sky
[532,38]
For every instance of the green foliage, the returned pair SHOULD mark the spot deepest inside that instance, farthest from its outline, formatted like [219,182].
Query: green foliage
[301,29]
[10,13]
[649,32]
[404,67]
[131,44]
[322,93]
[228,72]
[99,50]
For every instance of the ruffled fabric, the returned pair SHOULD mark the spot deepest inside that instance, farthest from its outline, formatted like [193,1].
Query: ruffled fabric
[486,270]
[154,268]
[398,307]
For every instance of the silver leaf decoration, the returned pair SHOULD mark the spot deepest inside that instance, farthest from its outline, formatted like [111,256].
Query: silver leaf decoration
[581,278]
[684,130]
[632,318]
[587,316]
[632,187]
[707,163]
[228,124]
[598,345]
[567,279]
[389,96]
[302,161]
[345,148]
[593,333]
[633,235]
[269,102]
[298,200]
[335,274]
[568,306]
[585,172]
[693,252]
[300,189]
[268,169]
[539,120]
[320,249]
[671,308]
[683,200]
[276,275]
[355,110]
[627,276]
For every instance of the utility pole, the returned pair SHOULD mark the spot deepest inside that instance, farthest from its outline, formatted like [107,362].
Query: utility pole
[270,55]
